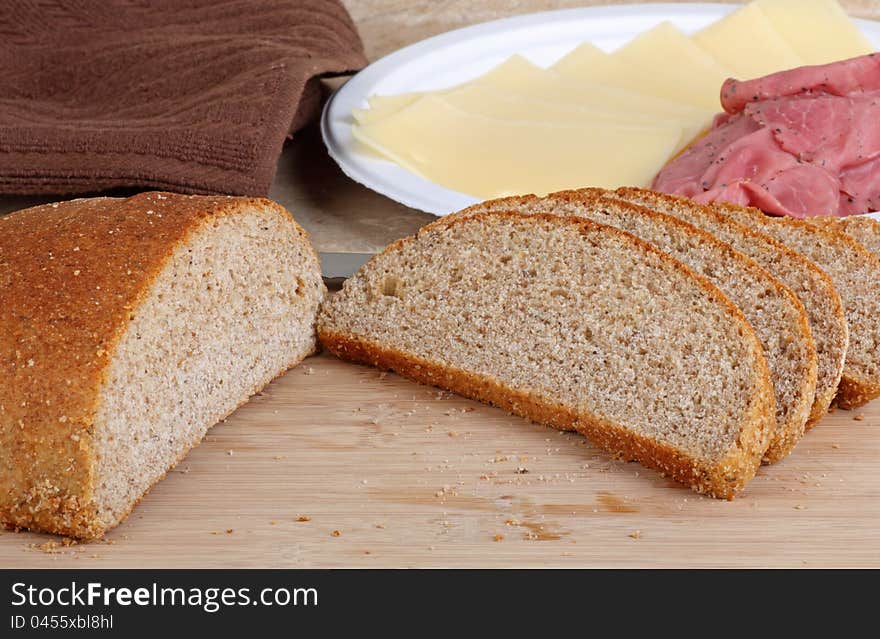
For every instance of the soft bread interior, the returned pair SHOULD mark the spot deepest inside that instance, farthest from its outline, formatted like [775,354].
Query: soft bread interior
[854,270]
[813,287]
[233,307]
[773,311]
[573,316]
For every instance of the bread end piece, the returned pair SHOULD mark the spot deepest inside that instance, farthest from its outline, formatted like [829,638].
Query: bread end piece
[150,319]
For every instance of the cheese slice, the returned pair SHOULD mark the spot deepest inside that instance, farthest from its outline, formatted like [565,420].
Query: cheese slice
[488,157]
[519,77]
[747,44]
[819,31]
[674,59]
[498,104]
[589,63]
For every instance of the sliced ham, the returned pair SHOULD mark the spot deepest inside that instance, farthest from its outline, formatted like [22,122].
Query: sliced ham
[801,143]
[830,131]
[856,75]
[860,188]
[679,175]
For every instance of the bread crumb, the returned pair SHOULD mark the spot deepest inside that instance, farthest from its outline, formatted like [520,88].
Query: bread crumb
[498,538]
[229,531]
[835,445]
[230,452]
[336,533]
[50,547]
[380,526]
[636,534]
[859,417]
[452,433]
[800,507]
[521,471]
[304,518]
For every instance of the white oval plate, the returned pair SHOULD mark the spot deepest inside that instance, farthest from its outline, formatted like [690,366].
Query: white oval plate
[457,56]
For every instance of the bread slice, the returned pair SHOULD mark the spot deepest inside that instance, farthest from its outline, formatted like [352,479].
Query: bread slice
[864,230]
[812,286]
[855,272]
[572,324]
[128,327]
[775,313]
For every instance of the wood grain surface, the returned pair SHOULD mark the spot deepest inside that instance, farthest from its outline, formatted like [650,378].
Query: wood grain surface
[341,465]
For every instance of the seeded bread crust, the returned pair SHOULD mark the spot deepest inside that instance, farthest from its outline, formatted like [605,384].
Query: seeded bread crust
[723,479]
[72,275]
[788,265]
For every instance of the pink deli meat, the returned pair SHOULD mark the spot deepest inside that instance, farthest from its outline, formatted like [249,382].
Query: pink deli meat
[803,142]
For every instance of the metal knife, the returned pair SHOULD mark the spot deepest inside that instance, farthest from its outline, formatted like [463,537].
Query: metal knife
[338,267]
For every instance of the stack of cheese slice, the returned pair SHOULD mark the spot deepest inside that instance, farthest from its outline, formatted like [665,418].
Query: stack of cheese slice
[522,128]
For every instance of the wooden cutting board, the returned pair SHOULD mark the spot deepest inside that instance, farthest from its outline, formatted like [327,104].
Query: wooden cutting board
[340,465]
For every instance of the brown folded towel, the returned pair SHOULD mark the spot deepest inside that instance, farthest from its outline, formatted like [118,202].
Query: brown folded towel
[184,95]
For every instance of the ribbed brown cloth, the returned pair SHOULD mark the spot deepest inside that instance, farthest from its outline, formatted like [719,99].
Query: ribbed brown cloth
[183,95]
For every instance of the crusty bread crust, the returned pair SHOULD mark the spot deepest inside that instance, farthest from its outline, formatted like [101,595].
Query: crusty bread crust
[72,274]
[723,479]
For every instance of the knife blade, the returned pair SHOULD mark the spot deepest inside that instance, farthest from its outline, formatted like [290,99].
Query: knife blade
[338,267]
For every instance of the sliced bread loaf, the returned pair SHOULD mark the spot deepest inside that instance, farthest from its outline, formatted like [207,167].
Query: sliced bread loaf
[855,272]
[811,285]
[864,230]
[777,316]
[128,327]
[572,324]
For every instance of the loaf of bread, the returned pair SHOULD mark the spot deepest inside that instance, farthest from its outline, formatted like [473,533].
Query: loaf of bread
[128,327]
[775,313]
[812,286]
[572,324]
[855,272]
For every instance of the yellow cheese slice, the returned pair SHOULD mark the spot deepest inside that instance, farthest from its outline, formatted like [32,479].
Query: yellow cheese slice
[489,157]
[519,77]
[589,63]
[747,44]
[671,57]
[503,105]
[818,30]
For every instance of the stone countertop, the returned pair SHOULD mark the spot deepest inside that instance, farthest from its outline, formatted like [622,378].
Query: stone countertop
[340,214]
